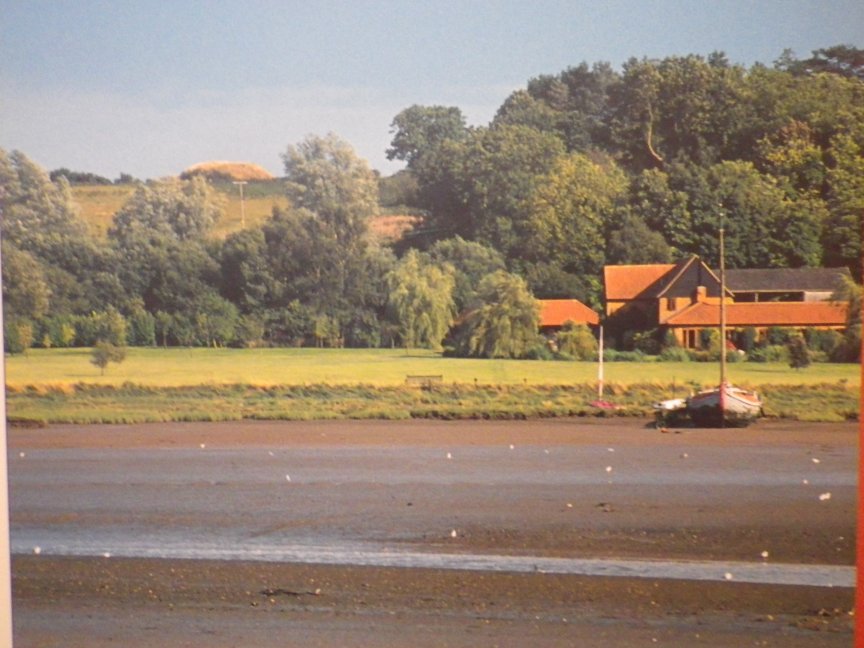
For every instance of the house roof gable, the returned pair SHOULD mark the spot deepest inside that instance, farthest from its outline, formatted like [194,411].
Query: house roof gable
[556,312]
[624,282]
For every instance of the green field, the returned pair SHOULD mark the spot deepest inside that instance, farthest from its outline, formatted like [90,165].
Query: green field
[60,385]
[381,367]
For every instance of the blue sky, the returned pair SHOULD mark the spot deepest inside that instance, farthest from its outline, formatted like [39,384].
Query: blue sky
[149,88]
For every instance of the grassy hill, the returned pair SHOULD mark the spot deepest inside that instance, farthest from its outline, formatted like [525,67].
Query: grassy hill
[99,203]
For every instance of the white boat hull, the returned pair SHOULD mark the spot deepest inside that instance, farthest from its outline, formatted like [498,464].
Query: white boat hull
[725,405]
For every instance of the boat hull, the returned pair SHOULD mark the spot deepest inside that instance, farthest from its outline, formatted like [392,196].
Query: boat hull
[729,406]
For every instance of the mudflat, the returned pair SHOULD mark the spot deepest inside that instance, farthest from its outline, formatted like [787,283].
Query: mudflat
[581,488]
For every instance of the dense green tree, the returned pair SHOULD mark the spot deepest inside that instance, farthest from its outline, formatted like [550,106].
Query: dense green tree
[506,323]
[477,188]
[159,239]
[326,177]
[663,209]
[25,290]
[843,60]
[421,300]
[636,243]
[420,130]
[577,341]
[247,280]
[215,320]
[472,261]
[575,103]
[841,239]
[764,228]
[184,210]
[571,209]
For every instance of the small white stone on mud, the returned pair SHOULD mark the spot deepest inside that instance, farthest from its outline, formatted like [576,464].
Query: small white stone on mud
[449,456]
[608,468]
[765,554]
[684,455]
[203,445]
[569,505]
[815,460]
[22,455]
[270,452]
[805,481]
[287,477]
[824,496]
[611,449]
[512,447]
[453,533]
[728,576]
[37,550]
[107,554]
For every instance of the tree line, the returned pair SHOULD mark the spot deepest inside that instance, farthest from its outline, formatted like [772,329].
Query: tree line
[579,169]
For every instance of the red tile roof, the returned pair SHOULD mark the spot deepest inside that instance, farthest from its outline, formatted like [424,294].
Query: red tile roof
[555,312]
[628,281]
[764,314]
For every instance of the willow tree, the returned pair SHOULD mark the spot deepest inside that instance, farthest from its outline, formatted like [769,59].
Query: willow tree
[506,324]
[421,300]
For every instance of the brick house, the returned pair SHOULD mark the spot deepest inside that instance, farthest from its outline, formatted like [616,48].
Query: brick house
[684,298]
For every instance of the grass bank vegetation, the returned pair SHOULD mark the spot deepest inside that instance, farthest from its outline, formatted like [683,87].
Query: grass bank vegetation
[61,385]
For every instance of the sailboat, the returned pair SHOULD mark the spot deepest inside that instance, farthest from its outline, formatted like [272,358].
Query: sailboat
[725,404]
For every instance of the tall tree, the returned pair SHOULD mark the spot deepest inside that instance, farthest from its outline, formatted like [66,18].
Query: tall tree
[421,299]
[571,210]
[506,324]
[472,261]
[159,237]
[420,130]
[326,177]
[477,188]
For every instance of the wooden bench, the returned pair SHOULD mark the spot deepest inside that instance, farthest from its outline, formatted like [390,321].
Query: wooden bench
[424,381]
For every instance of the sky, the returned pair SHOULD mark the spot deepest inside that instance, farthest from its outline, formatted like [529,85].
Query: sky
[150,87]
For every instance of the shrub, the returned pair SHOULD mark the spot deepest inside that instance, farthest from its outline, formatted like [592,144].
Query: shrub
[674,354]
[799,354]
[646,342]
[769,353]
[17,336]
[745,339]
[778,335]
[824,341]
[577,342]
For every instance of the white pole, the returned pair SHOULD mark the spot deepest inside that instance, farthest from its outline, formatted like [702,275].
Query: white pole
[600,366]
[5,556]
[240,184]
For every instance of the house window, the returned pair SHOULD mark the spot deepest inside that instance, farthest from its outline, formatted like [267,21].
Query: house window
[671,303]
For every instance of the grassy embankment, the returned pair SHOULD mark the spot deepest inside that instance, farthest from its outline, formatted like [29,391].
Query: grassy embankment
[99,203]
[229,384]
